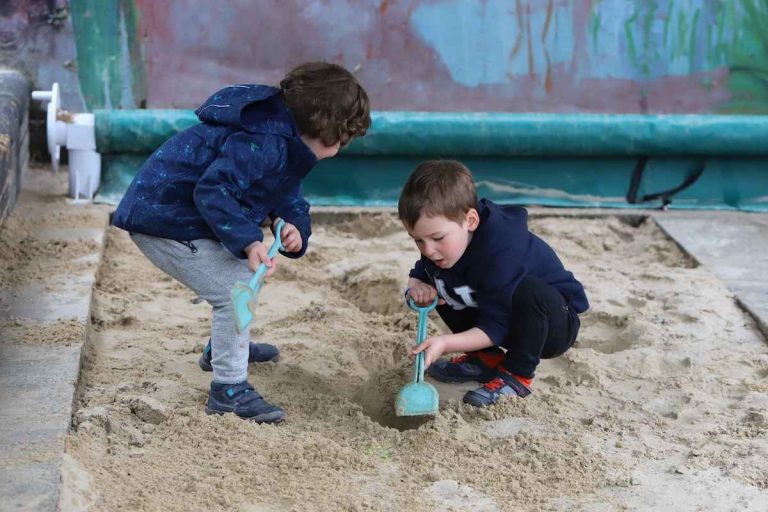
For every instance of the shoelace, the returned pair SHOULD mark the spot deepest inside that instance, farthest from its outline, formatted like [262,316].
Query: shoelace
[495,384]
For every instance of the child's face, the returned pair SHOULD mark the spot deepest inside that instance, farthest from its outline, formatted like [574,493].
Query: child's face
[443,240]
[319,149]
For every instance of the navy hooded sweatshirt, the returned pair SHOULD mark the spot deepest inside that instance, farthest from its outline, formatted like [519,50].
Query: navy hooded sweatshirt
[501,253]
[220,179]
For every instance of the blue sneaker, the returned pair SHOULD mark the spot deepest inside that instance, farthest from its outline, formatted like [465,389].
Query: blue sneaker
[257,353]
[242,400]
[504,384]
[479,366]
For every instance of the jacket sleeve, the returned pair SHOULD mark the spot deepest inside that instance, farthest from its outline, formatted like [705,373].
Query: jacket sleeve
[420,273]
[244,160]
[295,210]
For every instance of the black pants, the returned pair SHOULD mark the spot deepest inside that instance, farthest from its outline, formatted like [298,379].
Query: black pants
[542,326]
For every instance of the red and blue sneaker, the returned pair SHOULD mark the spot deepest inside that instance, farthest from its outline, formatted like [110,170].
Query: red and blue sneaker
[478,366]
[504,384]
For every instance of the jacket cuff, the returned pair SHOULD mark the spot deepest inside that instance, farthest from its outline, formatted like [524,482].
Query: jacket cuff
[304,247]
[496,335]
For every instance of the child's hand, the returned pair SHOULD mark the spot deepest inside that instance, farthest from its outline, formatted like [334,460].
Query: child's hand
[257,254]
[423,294]
[289,236]
[433,348]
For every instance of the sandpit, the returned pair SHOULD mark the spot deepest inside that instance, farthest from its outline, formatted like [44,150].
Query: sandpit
[661,404]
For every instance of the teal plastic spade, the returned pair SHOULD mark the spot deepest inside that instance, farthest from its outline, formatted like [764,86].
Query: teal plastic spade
[244,296]
[418,398]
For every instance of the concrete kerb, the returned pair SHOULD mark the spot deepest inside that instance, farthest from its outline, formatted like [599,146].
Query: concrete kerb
[39,377]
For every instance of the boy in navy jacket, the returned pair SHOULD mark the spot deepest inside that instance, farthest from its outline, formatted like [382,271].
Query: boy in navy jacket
[502,291]
[196,206]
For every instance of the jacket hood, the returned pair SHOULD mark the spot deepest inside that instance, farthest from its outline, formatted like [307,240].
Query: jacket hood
[514,218]
[249,107]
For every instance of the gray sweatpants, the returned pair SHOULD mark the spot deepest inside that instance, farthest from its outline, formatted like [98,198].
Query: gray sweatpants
[210,271]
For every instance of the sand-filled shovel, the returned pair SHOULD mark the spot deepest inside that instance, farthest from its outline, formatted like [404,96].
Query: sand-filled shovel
[244,295]
[418,398]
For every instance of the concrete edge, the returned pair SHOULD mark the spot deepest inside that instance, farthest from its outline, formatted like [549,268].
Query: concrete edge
[46,379]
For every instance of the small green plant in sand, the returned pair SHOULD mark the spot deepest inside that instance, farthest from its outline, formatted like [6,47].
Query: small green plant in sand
[378,451]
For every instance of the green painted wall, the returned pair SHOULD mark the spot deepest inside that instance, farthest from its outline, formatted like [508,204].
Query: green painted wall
[110,60]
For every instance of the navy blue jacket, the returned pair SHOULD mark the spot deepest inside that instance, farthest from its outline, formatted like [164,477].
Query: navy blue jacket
[501,253]
[220,179]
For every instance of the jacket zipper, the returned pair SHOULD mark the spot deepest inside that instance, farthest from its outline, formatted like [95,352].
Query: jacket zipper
[189,244]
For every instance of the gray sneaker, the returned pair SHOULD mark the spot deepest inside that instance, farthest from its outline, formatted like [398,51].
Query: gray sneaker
[490,392]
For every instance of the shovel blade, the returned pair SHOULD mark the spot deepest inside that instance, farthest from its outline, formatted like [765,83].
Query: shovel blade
[417,399]
[242,295]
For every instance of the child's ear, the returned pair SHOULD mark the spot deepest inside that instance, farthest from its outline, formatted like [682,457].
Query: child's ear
[473,219]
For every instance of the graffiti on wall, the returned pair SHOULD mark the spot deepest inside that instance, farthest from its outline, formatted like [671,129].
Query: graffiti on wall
[646,56]
[678,49]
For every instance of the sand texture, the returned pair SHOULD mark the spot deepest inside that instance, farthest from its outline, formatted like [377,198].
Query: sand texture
[661,405]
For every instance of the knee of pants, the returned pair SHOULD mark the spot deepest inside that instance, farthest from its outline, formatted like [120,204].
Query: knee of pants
[551,353]
[220,299]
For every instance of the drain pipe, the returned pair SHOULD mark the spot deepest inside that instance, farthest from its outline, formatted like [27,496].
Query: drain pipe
[77,133]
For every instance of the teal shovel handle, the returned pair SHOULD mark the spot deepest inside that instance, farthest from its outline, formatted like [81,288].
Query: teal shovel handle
[421,335]
[276,246]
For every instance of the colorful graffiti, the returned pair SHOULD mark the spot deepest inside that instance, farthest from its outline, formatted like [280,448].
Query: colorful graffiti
[614,56]
[643,42]
[748,63]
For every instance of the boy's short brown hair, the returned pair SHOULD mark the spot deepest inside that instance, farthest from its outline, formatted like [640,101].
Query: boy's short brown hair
[327,102]
[437,187]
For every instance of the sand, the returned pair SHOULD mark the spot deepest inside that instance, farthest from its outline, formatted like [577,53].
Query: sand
[661,404]
[45,247]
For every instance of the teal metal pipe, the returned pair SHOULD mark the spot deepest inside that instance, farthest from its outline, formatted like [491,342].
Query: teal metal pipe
[138,131]
[489,134]
[727,183]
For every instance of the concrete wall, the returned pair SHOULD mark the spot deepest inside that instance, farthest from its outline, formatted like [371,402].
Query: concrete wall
[622,56]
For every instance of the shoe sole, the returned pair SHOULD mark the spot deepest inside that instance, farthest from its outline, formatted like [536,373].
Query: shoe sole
[272,417]
[476,400]
[206,367]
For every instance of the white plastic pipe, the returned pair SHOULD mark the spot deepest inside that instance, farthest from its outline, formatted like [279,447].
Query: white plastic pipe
[78,134]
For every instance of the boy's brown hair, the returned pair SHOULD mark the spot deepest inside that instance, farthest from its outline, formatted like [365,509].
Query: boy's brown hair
[327,102]
[437,187]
